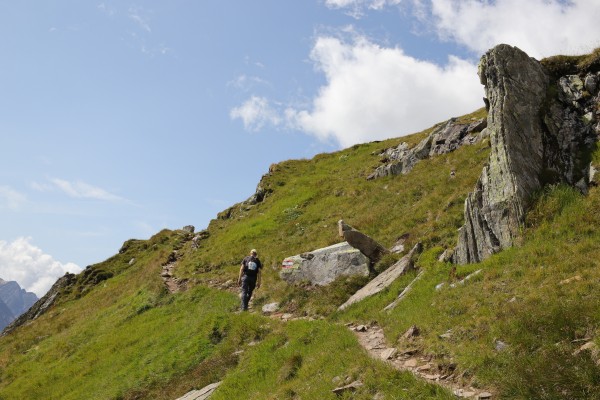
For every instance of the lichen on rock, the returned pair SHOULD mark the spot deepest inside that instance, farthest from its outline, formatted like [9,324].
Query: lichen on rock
[538,136]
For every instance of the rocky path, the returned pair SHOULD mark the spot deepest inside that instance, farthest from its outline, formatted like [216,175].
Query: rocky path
[373,340]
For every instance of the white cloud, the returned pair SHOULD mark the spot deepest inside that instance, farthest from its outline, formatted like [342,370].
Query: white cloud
[27,264]
[541,28]
[80,189]
[10,198]
[374,92]
[108,10]
[139,16]
[246,83]
[255,113]
[356,8]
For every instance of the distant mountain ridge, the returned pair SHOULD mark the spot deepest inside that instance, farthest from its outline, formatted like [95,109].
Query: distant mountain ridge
[14,301]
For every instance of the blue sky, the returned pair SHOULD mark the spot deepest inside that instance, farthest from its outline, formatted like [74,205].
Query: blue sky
[120,118]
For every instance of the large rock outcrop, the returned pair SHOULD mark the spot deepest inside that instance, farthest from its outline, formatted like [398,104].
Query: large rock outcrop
[446,138]
[537,137]
[323,266]
[43,304]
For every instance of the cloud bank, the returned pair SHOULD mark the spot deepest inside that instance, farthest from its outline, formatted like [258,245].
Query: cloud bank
[255,113]
[374,92]
[541,28]
[27,264]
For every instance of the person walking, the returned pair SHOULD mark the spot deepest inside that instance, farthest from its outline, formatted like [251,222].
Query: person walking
[249,277]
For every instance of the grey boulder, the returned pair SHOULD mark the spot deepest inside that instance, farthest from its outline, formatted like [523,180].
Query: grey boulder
[323,266]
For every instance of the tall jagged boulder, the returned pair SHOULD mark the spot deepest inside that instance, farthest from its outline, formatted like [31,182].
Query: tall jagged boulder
[446,138]
[536,138]
[366,244]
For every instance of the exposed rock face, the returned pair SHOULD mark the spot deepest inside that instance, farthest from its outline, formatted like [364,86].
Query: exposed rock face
[367,245]
[323,266]
[385,279]
[448,137]
[536,138]
[43,304]
[201,394]
[188,228]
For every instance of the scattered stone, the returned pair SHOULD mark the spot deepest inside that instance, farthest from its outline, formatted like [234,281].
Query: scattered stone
[270,308]
[588,118]
[439,286]
[188,228]
[409,352]
[412,332]
[361,328]
[411,363]
[202,394]
[348,388]
[324,265]
[425,367]
[575,278]
[399,245]
[132,261]
[484,396]
[432,377]
[572,88]
[591,83]
[287,317]
[446,335]
[385,279]
[446,255]
[367,245]
[466,279]
[407,289]
[592,176]
[389,353]
[592,348]
[398,248]
[499,345]
[202,235]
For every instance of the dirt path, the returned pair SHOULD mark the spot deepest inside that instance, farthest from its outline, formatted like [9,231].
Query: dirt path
[173,284]
[373,340]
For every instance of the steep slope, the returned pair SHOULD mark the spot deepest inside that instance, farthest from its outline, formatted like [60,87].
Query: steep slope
[115,331]
[525,326]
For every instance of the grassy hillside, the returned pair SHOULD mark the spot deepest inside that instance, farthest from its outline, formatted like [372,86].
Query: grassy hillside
[118,334]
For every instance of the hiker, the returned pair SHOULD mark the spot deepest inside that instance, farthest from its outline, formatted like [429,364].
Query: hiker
[249,277]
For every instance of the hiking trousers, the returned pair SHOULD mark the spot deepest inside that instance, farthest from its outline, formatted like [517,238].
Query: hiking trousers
[248,285]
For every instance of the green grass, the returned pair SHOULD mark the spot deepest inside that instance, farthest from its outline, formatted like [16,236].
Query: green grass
[118,334]
[303,359]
